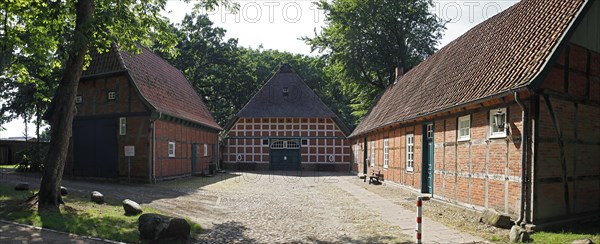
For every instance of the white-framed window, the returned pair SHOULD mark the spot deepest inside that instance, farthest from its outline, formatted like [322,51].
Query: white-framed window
[495,130]
[356,153]
[122,126]
[304,142]
[285,91]
[171,149]
[112,95]
[78,99]
[205,150]
[410,152]
[464,128]
[373,154]
[386,153]
[429,130]
[265,142]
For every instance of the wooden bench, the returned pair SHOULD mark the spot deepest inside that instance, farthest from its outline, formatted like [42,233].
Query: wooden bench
[376,178]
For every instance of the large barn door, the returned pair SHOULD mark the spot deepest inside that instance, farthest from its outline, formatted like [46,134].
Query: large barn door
[285,154]
[95,151]
[428,170]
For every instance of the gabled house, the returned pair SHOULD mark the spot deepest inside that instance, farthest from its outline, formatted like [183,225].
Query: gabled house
[286,126]
[505,117]
[139,117]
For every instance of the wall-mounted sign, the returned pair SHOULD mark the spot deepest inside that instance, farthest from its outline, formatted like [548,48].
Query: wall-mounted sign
[129,151]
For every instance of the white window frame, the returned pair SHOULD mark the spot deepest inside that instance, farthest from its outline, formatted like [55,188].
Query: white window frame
[111,95]
[122,126]
[305,142]
[205,150]
[492,126]
[78,99]
[461,127]
[372,153]
[386,153]
[356,153]
[410,152]
[171,149]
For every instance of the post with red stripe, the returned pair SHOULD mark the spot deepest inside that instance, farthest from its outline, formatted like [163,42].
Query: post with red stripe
[420,218]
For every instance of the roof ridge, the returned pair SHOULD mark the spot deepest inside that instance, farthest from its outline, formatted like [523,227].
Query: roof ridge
[469,68]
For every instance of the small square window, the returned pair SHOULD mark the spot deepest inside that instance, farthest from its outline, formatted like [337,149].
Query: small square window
[205,150]
[112,95]
[464,128]
[78,99]
[265,142]
[122,126]
[171,149]
[304,142]
[285,91]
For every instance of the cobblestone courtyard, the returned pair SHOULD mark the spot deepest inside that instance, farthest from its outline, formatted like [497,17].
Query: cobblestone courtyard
[270,208]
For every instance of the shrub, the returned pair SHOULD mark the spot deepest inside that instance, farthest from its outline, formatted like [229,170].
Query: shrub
[32,159]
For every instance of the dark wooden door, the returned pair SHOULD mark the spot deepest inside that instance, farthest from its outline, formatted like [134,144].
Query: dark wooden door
[95,149]
[285,155]
[428,169]
[194,156]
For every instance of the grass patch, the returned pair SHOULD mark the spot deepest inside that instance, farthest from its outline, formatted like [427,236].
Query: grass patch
[8,166]
[568,234]
[79,216]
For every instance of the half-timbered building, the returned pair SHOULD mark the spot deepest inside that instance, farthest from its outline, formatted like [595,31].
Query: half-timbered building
[286,126]
[506,117]
[139,117]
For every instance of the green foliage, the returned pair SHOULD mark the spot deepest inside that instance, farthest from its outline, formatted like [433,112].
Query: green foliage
[227,75]
[364,41]
[80,216]
[570,233]
[32,159]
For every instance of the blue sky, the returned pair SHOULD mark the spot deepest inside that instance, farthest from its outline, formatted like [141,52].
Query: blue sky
[278,25]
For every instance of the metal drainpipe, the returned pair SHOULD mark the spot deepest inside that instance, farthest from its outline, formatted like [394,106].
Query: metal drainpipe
[524,146]
[153,166]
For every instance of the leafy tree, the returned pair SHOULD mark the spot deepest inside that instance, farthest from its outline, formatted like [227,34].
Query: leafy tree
[227,75]
[364,41]
[213,65]
[65,30]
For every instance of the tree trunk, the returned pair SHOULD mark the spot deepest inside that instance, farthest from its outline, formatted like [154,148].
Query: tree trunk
[61,119]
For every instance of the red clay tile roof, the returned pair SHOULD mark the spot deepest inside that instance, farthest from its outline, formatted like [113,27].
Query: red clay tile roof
[163,86]
[503,53]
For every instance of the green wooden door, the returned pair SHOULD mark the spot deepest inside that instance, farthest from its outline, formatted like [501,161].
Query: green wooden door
[285,154]
[428,167]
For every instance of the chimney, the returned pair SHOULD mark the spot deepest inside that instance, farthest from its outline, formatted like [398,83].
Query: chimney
[399,72]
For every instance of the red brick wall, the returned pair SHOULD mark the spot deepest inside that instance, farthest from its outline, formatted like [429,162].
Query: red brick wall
[324,139]
[137,135]
[482,172]
[127,104]
[94,97]
[140,134]
[184,137]
[573,91]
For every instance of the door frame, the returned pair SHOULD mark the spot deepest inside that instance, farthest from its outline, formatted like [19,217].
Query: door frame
[299,150]
[365,155]
[427,162]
